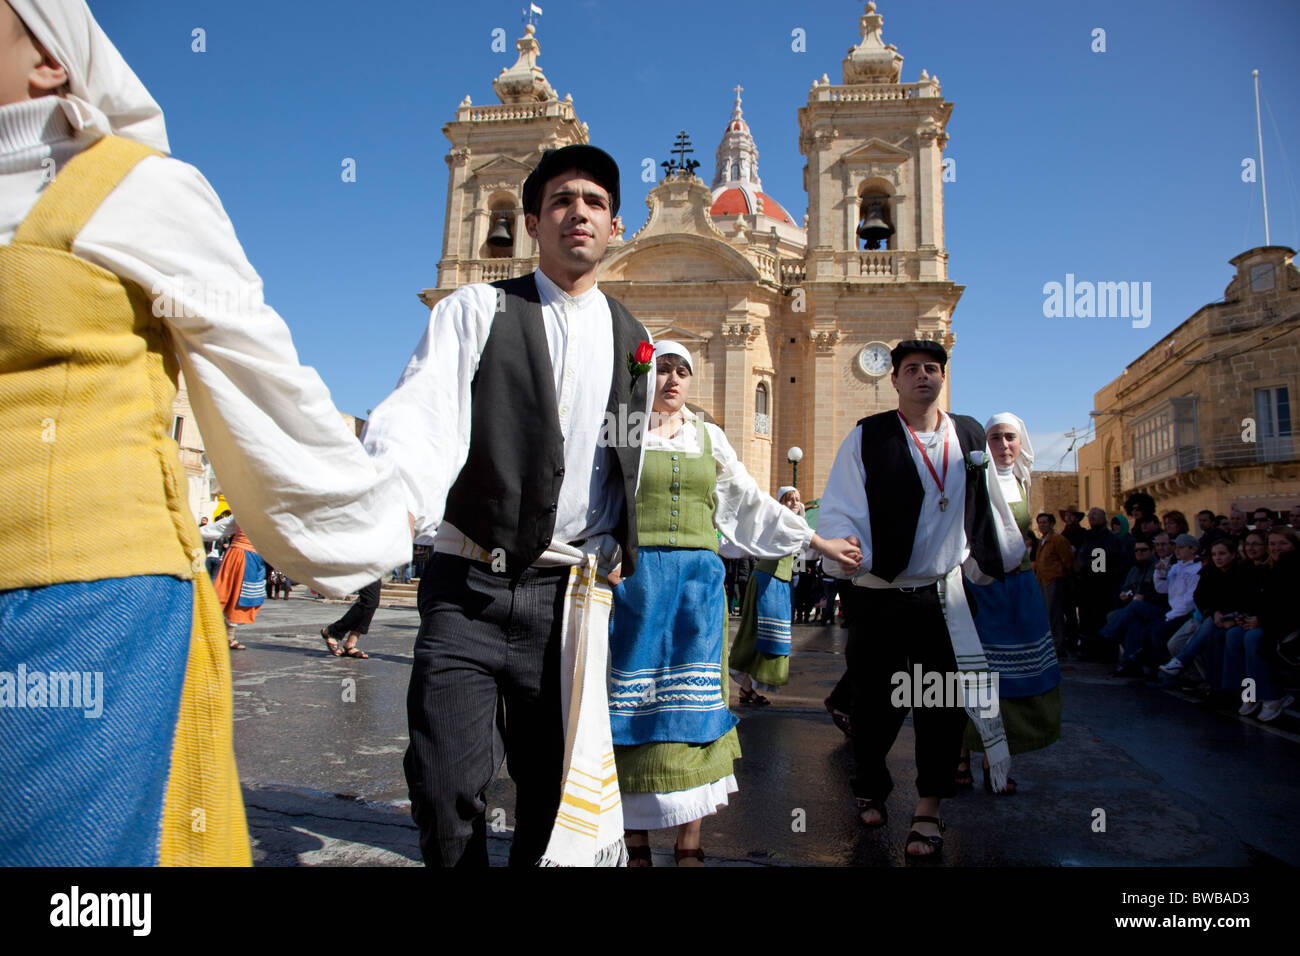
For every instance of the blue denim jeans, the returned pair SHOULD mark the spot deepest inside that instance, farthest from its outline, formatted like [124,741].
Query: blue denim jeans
[1208,641]
[1241,658]
[1129,626]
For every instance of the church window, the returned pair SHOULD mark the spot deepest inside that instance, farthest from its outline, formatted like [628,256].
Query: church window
[762,423]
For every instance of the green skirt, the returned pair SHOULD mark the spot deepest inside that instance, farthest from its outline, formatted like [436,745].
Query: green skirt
[1031,723]
[663,767]
[768,672]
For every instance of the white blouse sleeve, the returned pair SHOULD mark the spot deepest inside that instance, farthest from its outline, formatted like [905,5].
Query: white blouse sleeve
[843,510]
[746,515]
[306,492]
[216,530]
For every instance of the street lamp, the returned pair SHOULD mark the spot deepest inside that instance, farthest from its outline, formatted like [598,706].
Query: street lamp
[794,456]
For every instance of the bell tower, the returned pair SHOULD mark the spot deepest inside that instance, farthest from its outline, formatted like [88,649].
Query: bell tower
[877,268]
[493,149]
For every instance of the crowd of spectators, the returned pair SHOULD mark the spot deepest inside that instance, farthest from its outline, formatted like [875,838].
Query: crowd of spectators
[1210,610]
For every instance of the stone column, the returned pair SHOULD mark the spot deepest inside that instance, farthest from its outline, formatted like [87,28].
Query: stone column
[738,334]
[825,441]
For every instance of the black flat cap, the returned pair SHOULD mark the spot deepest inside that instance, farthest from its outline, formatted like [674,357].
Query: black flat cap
[904,349]
[589,159]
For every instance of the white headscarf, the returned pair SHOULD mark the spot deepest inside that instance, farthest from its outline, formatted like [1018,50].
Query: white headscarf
[668,347]
[105,96]
[1023,464]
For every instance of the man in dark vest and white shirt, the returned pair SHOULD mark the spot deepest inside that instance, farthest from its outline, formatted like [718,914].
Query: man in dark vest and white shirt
[500,426]
[910,487]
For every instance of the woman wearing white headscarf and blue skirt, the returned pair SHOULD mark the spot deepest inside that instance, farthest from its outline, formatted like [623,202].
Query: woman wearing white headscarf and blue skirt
[1011,619]
[760,658]
[674,738]
[119,267]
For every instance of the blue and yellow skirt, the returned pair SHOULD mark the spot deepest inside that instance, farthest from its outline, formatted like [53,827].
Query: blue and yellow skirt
[115,726]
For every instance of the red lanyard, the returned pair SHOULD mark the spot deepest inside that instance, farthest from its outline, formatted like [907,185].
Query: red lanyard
[926,458]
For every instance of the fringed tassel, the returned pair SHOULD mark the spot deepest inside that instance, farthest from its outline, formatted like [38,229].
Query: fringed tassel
[998,772]
[613,855]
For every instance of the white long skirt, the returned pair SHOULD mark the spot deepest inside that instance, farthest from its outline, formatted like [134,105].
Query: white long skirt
[658,811]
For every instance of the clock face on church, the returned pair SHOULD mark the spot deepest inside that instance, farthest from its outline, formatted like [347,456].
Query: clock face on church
[874,359]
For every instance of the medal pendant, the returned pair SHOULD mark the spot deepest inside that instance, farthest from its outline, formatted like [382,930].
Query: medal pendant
[943,504]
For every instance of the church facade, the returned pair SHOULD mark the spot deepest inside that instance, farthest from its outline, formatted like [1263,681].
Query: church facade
[790,323]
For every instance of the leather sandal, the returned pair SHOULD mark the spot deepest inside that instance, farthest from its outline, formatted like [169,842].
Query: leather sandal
[691,853]
[753,698]
[864,804]
[331,642]
[964,779]
[934,840]
[640,855]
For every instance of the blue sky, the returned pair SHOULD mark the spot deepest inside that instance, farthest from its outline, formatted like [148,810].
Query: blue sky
[1123,165]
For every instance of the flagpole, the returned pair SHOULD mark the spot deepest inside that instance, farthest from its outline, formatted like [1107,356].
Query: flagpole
[1259,135]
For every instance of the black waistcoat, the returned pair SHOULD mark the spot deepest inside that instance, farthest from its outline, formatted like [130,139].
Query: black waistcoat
[895,493]
[507,492]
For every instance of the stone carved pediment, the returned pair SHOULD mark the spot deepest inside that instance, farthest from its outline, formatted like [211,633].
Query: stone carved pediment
[876,151]
[676,257]
[680,205]
[499,169]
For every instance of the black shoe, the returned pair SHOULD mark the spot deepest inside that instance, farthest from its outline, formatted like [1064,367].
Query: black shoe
[1127,669]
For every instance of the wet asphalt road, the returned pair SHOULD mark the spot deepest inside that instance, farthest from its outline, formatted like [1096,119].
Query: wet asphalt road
[319,742]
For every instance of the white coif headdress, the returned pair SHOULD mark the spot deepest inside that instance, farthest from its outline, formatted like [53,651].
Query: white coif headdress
[104,95]
[1024,464]
[668,347]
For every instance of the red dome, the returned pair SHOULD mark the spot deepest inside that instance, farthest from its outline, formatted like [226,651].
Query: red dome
[735,202]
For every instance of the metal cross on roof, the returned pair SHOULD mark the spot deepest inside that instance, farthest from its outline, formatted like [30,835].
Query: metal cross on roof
[681,147]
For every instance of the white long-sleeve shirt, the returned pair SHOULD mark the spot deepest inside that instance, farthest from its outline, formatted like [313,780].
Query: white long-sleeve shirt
[423,428]
[940,543]
[1183,578]
[748,517]
[307,494]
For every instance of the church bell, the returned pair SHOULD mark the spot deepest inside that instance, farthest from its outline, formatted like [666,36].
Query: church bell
[874,230]
[500,234]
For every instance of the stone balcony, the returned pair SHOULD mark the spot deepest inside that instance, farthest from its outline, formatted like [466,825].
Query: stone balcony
[898,265]
[874,92]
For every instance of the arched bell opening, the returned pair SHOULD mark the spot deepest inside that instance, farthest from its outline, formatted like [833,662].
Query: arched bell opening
[875,220]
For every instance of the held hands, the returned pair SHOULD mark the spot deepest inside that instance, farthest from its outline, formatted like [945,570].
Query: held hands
[846,552]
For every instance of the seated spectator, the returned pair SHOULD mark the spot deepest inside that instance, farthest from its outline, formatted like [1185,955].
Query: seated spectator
[1140,606]
[1282,540]
[1182,580]
[1217,595]
[1237,522]
[1244,657]
[1279,613]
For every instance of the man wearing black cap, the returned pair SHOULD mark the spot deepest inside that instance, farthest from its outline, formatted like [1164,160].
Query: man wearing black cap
[910,486]
[497,429]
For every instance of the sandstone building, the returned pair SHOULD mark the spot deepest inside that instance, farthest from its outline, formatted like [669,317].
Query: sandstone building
[1202,419]
[791,323]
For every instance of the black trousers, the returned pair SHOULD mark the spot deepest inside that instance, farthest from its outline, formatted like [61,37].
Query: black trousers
[890,632]
[359,615]
[485,683]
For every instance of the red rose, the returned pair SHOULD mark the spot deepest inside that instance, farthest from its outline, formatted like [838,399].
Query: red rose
[644,353]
